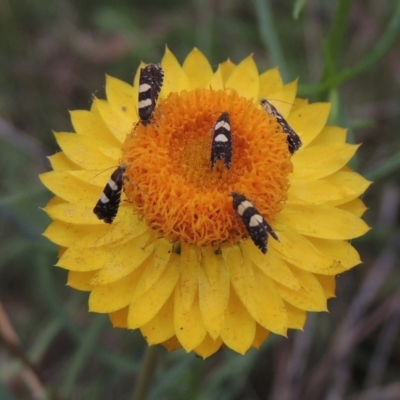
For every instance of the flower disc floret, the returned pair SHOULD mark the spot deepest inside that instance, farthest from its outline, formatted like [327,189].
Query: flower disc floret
[170,181]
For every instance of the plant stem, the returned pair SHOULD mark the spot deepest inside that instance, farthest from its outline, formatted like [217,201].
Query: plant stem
[146,374]
[269,36]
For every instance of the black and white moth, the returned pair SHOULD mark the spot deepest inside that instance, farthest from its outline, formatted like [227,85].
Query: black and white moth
[150,82]
[107,206]
[293,139]
[221,148]
[256,226]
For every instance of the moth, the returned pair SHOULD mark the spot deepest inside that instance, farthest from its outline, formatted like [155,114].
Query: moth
[107,206]
[221,148]
[150,82]
[256,226]
[293,139]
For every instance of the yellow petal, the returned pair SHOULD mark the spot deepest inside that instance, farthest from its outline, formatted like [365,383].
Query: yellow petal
[326,159]
[244,79]
[111,152]
[114,296]
[234,264]
[122,230]
[226,69]
[270,82]
[256,291]
[190,265]
[323,222]
[189,326]
[316,192]
[161,327]
[299,103]
[122,96]
[126,258]
[84,260]
[309,121]
[260,336]
[338,188]
[92,126]
[330,134]
[118,318]
[79,213]
[271,264]
[216,82]
[208,346]
[239,328]
[69,188]
[172,344]
[267,308]
[296,317]
[82,151]
[354,184]
[116,120]
[60,162]
[98,178]
[80,280]
[146,304]
[213,292]
[356,207]
[310,297]
[339,250]
[298,250]
[175,79]
[67,235]
[328,284]
[155,266]
[197,69]
[283,98]
[55,201]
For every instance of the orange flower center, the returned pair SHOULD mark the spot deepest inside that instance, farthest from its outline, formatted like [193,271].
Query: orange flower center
[169,179]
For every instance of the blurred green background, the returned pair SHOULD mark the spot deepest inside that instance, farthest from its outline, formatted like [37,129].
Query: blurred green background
[54,55]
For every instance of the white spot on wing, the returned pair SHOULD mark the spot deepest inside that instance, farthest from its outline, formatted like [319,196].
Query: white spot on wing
[243,206]
[104,199]
[222,124]
[112,185]
[145,103]
[221,138]
[256,220]
[144,87]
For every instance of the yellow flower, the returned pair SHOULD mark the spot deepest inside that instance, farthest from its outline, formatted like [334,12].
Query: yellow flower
[178,262]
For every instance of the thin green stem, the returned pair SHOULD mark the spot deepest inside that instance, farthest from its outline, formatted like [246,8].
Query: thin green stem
[331,47]
[205,25]
[298,7]
[269,36]
[146,374]
[334,42]
[373,57]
